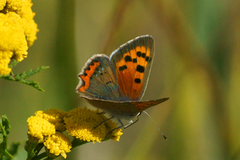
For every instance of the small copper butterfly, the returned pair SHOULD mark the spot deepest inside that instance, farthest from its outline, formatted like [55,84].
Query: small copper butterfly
[117,83]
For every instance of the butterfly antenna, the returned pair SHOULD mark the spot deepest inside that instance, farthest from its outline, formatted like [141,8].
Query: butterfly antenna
[155,125]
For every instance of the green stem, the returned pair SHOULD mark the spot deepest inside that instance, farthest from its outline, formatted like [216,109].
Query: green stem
[40,156]
[76,142]
[7,154]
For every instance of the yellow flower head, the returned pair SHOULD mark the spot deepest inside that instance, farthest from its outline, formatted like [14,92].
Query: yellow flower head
[46,123]
[53,116]
[5,58]
[17,29]
[81,123]
[46,127]
[57,144]
[39,128]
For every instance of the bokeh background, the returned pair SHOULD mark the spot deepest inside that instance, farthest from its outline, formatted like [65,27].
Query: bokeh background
[197,65]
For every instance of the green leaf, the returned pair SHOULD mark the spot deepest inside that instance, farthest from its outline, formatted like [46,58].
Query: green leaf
[21,77]
[14,148]
[13,63]
[5,122]
[4,131]
[20,152]
[1,138]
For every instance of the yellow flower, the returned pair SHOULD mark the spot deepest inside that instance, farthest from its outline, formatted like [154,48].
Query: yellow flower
[46,127]
[2,4]
[39,128]
[5,58]
[17,29]
[81,123]
[46,123]
[54,116]
[57,144]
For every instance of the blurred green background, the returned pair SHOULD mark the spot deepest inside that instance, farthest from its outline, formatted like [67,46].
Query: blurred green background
[197,65]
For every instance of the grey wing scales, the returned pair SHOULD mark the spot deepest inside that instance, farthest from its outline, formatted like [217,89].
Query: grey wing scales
[98,79]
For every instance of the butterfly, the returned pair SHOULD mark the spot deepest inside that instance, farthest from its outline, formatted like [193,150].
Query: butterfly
[116,84]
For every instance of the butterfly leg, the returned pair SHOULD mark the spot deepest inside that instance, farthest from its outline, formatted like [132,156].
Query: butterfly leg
[115,128]
[131,122]
[103,121]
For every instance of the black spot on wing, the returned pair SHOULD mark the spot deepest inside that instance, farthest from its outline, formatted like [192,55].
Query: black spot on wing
[128,59]
[134,60]
[147,59]
[140,68]
[139,54]
[137,80]
[122,68]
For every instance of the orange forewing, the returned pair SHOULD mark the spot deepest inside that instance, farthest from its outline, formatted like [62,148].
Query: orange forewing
[138,87]
[127,76]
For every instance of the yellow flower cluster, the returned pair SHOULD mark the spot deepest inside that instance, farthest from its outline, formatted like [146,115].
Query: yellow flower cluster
[54,116]
[17,29]
[40,128]
[81,123]
[58,144]
[47,127]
